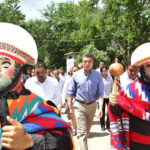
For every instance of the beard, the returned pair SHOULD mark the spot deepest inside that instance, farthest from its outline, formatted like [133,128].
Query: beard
[145,77]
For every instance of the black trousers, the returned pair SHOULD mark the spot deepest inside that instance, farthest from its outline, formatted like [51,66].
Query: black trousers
[102,120]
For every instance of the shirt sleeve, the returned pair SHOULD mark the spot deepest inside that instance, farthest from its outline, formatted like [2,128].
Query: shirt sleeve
[51,141]
[54,86]
[27,84]
[64,91]
[100,89]
[72,87]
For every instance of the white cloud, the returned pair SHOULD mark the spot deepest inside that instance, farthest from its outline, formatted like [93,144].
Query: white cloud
[32,8]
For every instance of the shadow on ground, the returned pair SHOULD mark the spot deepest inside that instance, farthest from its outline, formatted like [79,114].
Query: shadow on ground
[96,122]
[95,134]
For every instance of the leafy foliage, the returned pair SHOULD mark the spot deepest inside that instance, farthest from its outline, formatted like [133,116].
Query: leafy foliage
[126,22]
[10,12]
[110,29]
[98,55]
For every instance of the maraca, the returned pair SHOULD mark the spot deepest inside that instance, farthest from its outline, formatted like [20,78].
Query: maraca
[116,69]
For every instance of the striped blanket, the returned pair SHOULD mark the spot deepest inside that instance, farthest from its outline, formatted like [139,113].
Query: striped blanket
[37,116]
[135,101]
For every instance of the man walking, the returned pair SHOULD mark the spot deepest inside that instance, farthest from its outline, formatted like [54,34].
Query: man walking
[41,83]
[60,84]
[86,87]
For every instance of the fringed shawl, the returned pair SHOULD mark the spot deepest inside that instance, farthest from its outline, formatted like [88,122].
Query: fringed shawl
[135,101]
[37,116]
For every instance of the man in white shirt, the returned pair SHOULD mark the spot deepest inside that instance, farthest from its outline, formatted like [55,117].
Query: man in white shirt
[42,84]
[60,84]
[64,91]
[64,97]
[62,74]
[131,74]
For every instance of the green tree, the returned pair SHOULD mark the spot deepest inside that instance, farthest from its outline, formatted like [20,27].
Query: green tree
[42,34]
[62,21]
[126,25]
[107,32]
[98,55]
[86,31]
[10,12]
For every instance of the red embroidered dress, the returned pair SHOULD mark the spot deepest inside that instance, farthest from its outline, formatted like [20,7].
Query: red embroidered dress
[135,103]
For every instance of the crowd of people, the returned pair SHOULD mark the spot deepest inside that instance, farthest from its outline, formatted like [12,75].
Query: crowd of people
[30,104]
[41,80]
[81,91]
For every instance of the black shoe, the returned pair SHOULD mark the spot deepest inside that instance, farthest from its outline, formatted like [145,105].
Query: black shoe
[102,128]
[108,129]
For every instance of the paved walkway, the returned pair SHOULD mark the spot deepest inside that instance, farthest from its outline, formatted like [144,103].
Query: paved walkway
[98,140]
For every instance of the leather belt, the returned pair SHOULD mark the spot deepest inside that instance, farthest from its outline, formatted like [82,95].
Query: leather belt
[87,103]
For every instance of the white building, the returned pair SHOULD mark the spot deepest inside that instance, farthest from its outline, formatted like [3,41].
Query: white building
[70,59]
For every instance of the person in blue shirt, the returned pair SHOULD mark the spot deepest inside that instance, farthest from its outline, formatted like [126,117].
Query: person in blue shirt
[28,75]
[86,87]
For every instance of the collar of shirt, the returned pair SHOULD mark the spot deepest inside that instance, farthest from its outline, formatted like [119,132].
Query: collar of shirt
[46,90]
[86,88]
[91,71]
[41,83]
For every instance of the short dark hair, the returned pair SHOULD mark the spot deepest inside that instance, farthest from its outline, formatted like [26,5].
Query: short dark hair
[101,69]
[88,55]
[128,63]
[101,61]
[56,70]
[29,68]
[41,65]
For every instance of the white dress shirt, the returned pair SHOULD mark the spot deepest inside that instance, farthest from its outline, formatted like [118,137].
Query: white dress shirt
[65,88]
[108,86]
[108,73]
[58,94]
[46,90]
[63,77]
[125,80]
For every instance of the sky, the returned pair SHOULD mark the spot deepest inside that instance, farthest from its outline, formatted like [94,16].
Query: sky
[31,8]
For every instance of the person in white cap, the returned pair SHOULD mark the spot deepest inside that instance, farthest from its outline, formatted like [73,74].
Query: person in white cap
[26,120]
[129,111]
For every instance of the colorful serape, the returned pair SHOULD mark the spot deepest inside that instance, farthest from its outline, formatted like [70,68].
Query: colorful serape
[38,116]
[134,101]
[45,119]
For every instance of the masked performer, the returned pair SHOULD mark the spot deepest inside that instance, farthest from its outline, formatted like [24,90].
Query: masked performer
[130,110]
[26,120]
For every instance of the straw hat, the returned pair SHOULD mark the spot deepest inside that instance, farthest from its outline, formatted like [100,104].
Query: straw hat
[141,55]
[18,44]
